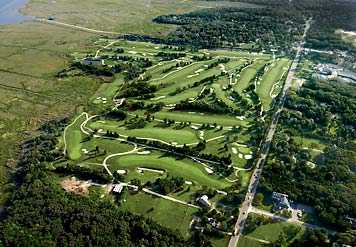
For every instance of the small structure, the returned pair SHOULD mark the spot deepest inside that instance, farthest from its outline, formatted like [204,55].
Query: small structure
[280,201]
[92,61]
[204,201]
[118,188]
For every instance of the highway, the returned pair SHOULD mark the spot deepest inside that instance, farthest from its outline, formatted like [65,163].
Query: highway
[246,205]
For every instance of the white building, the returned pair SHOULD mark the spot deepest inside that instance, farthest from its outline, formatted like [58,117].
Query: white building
[204,201]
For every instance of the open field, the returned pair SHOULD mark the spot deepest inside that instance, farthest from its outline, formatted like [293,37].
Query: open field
[119,16]
[169,214]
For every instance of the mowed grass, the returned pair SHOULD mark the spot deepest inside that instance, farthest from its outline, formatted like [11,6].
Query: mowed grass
[73,139]
[165,134]
[201,119]
[169,214]
[247,74]
[248,242]
[274,75]
[271,232]
[185,168]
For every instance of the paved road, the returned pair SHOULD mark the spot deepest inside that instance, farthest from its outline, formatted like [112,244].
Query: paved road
[246,205]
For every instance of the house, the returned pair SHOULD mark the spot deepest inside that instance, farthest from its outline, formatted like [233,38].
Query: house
[118,188]
[204,201]
[280,201]
[92,61]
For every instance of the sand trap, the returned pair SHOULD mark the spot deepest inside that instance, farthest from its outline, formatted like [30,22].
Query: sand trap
[194,127]
[311,164]
[188,182]
[132,52]
[240,118]
[241,156]
[156,47]
[141,169]
[198,71]
[144,152]
[85,151]
[121,172]
[190,76]
[234,150]
[248,156]
[158,98]
[201,135]
[221,192]
[208,170]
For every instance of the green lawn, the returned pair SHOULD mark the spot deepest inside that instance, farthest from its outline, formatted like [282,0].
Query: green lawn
[165,134]
[248,242]
[185,168]
[201,119]
[271,232]
[248,74]
[274,75]
[74,138]
[169,214]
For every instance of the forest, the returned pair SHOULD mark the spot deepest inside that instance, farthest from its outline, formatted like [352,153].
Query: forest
[229,27]
[324,112]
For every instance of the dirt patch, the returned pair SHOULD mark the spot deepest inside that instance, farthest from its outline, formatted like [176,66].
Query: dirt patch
[75,186]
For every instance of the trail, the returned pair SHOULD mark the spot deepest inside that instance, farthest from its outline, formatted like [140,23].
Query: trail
[76,27]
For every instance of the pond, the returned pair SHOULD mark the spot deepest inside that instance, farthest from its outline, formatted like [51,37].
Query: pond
[9,11]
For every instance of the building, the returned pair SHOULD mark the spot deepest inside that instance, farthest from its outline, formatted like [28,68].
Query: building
[204,201]
[118,188]
[280,201]
[92,61]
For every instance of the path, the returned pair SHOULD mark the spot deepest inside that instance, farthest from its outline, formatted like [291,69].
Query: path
[107,46]
[84,29]
[170,198]
[264,149]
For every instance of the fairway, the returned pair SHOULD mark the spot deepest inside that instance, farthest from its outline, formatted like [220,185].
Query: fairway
[271,82]
[73,138]
[248,74]
[195,117]
[165,134]
[184,168]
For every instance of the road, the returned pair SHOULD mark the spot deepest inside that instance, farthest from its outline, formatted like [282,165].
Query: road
[246,205]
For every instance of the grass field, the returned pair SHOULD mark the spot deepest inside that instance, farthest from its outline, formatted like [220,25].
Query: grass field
[169,214]
[248,74]
[165,134]
[120,16]
[185,168]
[271,82]
[271,233]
